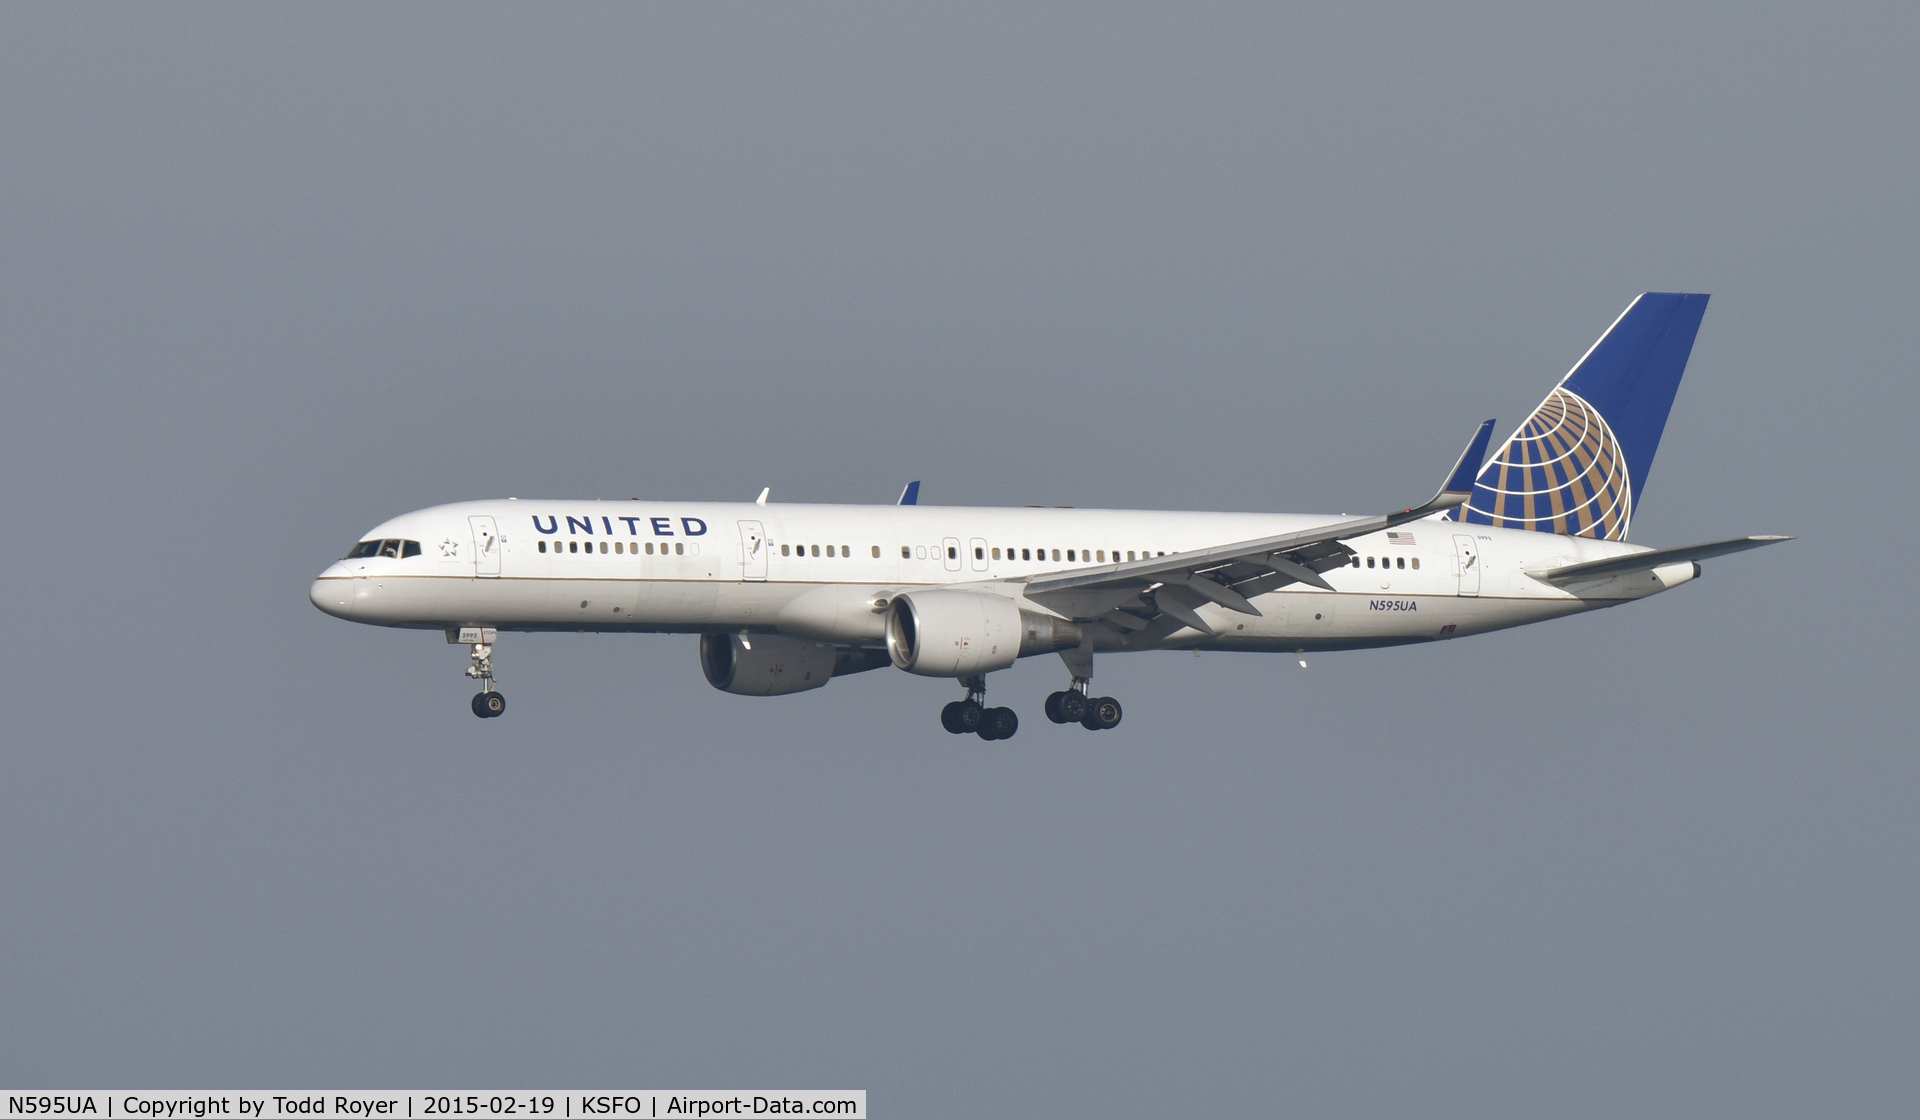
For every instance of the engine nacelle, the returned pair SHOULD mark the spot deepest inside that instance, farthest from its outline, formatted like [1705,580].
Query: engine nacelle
[965,633]
[774,666]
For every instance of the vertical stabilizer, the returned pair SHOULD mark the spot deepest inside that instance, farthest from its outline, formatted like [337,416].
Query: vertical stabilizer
[1578,464]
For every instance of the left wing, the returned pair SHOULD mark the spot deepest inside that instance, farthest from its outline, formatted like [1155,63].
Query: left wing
[1229,575]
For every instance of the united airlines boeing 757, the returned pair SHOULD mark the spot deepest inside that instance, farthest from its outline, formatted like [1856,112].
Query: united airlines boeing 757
[786,597]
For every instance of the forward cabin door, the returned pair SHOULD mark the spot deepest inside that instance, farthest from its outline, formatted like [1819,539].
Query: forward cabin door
[486,546]
[1466,552]
[753,550]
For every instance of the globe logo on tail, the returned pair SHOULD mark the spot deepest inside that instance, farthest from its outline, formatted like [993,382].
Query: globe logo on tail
[1562,472]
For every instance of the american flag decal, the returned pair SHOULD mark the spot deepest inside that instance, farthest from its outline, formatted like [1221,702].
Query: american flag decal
[1400,538]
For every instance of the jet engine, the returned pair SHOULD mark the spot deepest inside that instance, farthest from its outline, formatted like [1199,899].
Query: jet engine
[964,633]
[767,665]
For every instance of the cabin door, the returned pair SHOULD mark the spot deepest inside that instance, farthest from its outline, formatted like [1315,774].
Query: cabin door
[486,546]
[1466,552]
[753,550]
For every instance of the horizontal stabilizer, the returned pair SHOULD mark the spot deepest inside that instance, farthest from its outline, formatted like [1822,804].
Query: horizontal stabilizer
[1659,557]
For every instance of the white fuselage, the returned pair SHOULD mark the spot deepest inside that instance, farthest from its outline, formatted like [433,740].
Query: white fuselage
[825,572]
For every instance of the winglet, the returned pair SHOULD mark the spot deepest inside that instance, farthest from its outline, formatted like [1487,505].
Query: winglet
[1459,485]
[911,495]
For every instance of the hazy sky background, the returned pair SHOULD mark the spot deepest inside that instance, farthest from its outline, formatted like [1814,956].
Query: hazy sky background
[272,275]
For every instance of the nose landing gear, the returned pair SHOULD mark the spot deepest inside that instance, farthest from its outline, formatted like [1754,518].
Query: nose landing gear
[972,714]
[488,702]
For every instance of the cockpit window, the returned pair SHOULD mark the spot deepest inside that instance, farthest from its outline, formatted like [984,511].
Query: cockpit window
[394,548]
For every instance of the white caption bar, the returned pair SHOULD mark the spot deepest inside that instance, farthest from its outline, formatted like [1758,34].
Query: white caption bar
[362,1104]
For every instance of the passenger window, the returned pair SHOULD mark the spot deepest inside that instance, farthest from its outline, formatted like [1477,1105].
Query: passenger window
[543,546]
[876,552]
[816,550]
[1400,562]
[1056,554]
[1101,555]
[996,554]
[1416,563]
[1129,554]
[1369,561]
[1356,561]
[410,548]
[649,548]
[603,548]
[846,553]
[953,552]
[1026,554]
[679,550]
[618,548]
[573,546]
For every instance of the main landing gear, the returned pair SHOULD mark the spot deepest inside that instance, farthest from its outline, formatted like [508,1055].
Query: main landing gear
[973,715]
[488,702]
[1095,713]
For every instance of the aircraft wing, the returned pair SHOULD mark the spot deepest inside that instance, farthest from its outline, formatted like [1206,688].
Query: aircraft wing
[1641,561]
[1229,575]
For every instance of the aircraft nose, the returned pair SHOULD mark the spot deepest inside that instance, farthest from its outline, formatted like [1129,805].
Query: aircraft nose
[333,591]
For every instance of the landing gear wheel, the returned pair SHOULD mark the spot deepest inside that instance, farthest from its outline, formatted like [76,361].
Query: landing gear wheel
[1052,708]
[961,716]
[1102,714]
[1073,705]
[999,723]
[488,704]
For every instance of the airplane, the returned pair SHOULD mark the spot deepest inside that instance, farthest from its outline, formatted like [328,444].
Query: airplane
[786,597]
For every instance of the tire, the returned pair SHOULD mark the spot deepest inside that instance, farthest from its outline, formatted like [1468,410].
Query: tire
[999,723]
[961,717]
[1052,708]
[478,705]
[1073,705]
[1102,714]
[486,705]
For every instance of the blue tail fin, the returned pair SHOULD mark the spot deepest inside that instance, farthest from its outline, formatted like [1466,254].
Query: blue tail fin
[1578,464]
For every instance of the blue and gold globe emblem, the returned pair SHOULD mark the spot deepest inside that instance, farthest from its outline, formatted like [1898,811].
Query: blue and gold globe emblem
[1563,472]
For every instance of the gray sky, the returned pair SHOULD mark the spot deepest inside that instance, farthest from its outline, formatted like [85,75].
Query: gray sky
[272,275]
